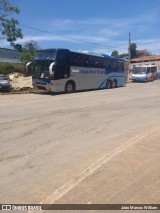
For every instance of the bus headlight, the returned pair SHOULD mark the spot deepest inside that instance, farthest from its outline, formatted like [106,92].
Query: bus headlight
[51,69]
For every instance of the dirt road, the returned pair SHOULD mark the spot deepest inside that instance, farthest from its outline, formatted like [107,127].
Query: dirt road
[88,147]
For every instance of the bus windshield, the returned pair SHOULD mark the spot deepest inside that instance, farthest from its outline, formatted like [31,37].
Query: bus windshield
[139,70]
[46,55]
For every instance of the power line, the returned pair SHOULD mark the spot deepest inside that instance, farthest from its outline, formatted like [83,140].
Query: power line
[68,37]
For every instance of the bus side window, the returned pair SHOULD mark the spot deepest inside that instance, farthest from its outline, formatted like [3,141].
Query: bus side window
[103,63]
[86,61]
[79,60]
[99,63]
[153,69]
[92,61]
[73,59]
[148,70]
[62,67]
[113,64]
[108,64]
[120,65]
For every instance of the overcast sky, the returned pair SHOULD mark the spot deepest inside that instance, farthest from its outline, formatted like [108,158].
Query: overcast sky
[94,25]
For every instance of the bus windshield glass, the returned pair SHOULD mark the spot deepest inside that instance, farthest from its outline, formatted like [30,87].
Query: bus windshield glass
[139,70]
[46,55]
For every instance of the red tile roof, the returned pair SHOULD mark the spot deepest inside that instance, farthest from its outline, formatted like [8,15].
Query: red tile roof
[146,58]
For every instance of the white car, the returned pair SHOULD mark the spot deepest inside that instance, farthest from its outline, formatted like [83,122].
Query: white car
[5,83]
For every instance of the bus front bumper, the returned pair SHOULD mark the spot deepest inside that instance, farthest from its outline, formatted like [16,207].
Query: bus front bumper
[41,85]
[139,79]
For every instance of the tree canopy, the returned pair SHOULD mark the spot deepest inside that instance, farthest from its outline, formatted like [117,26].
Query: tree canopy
[31,46]
[9,25]
[133,50]
[29,49]
[115,53]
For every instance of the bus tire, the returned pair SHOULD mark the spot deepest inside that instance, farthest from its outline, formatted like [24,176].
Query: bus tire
[114,83]
[108,84]
[70,87]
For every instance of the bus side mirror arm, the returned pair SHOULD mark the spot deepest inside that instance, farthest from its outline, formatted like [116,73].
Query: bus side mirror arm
[51,72]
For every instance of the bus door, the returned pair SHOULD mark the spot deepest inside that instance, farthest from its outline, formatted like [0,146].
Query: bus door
[148,73]
[151,73]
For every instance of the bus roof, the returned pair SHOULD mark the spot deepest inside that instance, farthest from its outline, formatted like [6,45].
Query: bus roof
[75,51]
[114,58]
[87,53]
[99,55]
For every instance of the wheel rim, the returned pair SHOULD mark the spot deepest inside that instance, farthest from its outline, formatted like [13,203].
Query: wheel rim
[108,85]
[114,84]
[69,88]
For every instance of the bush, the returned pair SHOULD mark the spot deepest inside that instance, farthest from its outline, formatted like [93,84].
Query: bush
[6,68]
[26,57]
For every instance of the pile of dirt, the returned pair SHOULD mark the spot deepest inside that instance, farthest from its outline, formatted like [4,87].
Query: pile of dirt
[20,82]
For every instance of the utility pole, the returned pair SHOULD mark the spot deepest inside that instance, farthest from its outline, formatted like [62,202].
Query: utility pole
[129,54]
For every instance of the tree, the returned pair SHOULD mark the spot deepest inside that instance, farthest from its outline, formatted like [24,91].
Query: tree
[29,51]
[133,50]
[8,24]
[115,53]
[31,46]
[26,57]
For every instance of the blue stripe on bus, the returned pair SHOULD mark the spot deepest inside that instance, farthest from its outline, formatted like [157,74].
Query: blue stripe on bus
[119,81]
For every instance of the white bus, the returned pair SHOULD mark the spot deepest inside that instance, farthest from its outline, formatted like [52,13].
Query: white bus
[63,70]
[145,73]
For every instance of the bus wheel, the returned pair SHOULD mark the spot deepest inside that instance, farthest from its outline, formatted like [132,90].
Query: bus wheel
[70,87]
[108,84]
[114,83]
